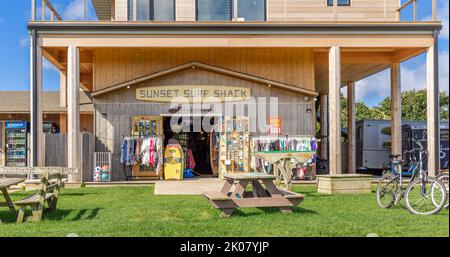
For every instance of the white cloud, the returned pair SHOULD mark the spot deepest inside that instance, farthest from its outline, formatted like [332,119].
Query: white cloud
[25,42]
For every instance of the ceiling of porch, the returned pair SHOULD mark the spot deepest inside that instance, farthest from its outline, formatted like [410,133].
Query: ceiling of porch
[359,63]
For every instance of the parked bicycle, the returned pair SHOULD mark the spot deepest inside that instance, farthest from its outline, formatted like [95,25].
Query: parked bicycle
[424,195]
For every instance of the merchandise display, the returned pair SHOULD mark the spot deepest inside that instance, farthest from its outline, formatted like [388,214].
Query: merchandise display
[234,145]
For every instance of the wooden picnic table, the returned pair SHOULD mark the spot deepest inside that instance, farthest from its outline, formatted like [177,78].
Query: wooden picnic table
[282,163]
[264,194]
[5,183]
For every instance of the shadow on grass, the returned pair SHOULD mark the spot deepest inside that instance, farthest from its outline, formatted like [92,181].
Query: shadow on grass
[57,215]
[238,212]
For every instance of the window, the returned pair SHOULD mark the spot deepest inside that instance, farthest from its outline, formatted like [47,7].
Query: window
[213,10]
[252,10]
[152,10]
[339,2]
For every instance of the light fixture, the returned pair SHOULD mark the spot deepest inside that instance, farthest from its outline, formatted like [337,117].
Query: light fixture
[269,85]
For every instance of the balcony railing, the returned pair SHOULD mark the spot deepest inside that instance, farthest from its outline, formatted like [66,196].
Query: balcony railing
[84,10]
[417,10]
[67,10]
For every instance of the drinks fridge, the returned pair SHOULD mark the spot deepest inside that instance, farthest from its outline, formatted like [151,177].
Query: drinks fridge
[16,143]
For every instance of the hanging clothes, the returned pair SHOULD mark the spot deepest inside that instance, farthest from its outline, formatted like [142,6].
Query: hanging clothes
[190,159]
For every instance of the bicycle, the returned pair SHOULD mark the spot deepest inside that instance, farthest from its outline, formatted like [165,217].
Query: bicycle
[424,195]
[443,177]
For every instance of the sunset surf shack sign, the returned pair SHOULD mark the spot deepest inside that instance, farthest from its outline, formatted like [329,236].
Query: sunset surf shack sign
[206,93]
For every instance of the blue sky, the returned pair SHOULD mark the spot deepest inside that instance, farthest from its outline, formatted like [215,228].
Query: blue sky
[14,54]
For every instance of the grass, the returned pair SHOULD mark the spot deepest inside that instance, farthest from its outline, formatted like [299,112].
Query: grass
[135,211]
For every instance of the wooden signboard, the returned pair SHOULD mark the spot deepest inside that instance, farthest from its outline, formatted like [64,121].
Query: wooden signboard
[180,93]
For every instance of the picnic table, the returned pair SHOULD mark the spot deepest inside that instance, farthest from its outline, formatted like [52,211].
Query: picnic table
[282,163]
[5,183]
[264,194]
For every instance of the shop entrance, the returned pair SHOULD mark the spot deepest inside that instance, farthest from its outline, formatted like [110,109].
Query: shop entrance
[196,145]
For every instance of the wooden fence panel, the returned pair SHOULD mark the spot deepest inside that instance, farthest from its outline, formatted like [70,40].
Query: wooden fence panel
[55,150]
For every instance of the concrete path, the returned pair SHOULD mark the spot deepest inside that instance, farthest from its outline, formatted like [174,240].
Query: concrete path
[188,186]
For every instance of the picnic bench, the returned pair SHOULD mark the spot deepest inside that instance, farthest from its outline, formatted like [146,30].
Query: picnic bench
[282,163]
[6,183]
[264,194]
[49,193]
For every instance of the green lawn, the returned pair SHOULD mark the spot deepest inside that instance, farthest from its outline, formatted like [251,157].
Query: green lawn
[135,211]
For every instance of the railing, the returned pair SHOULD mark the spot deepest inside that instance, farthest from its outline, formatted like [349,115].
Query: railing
[46,10]
[414,10]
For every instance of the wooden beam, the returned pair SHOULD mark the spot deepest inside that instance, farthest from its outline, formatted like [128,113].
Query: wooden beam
[396,110]
[53,57]
[351,125]
[73,111]
[334,111]
[433,131]
[86,56]
[62,89]
[294,41]
[373,57]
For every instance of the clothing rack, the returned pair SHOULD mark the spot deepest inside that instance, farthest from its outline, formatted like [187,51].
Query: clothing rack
[124,165]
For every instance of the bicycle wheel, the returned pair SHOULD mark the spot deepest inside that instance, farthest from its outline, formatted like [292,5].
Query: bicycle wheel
[443,177]
[386,190]
[419,196]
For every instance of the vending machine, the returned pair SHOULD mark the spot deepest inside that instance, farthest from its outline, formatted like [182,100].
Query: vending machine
[16,143]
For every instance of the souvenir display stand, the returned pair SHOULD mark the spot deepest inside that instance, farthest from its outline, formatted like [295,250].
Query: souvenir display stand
[234,145]
[279,155]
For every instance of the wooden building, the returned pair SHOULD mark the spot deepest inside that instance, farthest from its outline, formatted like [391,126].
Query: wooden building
[300,51]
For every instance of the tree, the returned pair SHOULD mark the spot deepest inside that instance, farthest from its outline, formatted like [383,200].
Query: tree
[414,107]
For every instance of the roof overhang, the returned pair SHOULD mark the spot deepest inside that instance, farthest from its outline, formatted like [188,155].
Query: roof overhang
[234,28]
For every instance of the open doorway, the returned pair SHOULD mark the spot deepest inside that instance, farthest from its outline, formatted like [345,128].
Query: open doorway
[197,143]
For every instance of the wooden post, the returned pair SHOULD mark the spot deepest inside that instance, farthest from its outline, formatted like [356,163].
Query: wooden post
[35,100]
[351,124]
[134,10]
[396,110]
[335,5]
[62,89]
[33,10]
[434,10]
[324,126]
[334,111]
[433,137]
[73,111]
[43,10]
[235,10]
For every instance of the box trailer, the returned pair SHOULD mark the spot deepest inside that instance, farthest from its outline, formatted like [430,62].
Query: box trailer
[373,142]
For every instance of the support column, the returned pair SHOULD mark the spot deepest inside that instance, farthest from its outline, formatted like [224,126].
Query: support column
[62,89]
[36,135]
[351,124]
[433,133]
[396,110]
[73,112]
[324,126]
[334,111]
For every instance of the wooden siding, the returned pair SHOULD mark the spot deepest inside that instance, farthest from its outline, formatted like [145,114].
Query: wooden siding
[317,10]
[115,109]
[289,66]
[297,10]
[185,10]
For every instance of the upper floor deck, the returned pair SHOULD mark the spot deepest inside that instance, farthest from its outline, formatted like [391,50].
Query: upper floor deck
[229,11]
